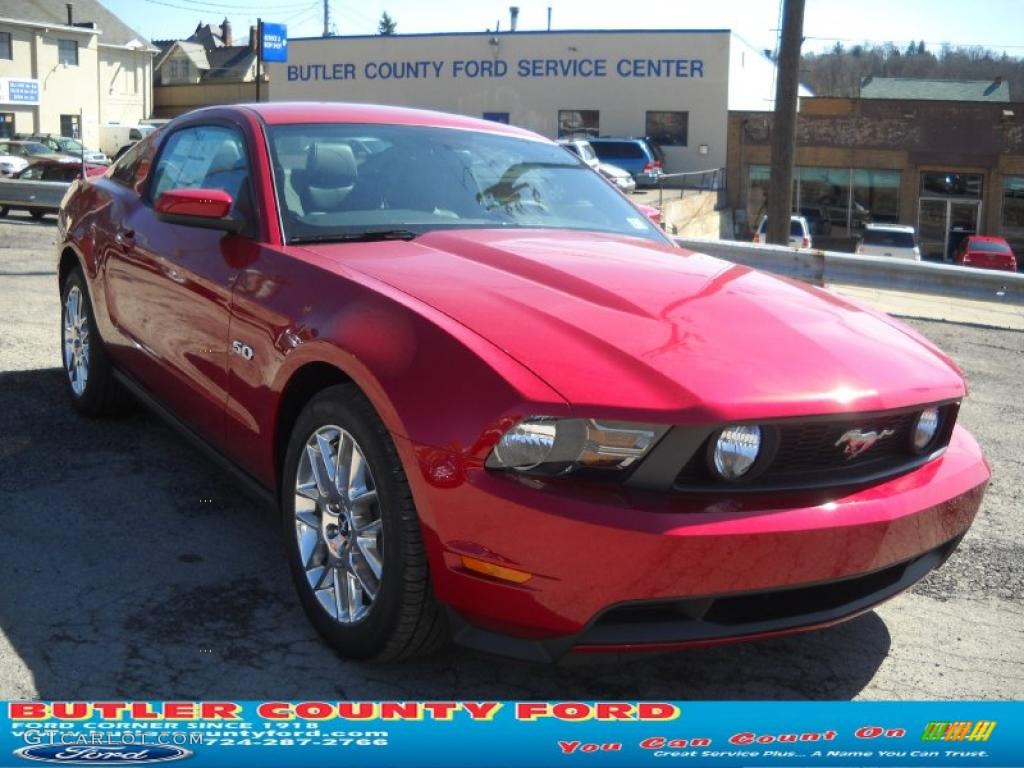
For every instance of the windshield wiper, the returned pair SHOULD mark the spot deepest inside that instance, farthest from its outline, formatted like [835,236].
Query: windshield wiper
[367,236]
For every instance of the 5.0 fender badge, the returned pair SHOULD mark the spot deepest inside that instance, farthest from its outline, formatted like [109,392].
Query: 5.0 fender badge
[242,349]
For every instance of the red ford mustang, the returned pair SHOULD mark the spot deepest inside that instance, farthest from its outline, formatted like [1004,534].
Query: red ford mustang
[492,400]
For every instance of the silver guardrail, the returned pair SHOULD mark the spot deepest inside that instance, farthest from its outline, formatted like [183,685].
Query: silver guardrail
[822,267]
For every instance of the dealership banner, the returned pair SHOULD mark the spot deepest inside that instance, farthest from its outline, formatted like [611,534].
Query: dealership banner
[510,733]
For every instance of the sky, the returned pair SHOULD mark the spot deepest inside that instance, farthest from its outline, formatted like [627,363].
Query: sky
[996,24]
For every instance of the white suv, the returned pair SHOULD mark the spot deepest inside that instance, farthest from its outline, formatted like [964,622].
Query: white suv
[897,241]
[799,232]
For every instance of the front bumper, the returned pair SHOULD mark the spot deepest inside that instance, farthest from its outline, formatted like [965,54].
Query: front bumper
[621,570]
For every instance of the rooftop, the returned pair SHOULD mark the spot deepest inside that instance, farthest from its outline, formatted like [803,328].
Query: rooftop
[112,30]
[909,88]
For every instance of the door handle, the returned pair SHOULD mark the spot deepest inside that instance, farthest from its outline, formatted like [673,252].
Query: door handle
[125,238]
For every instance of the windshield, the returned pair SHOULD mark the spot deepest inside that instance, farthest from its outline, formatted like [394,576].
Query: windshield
[988,246]
[335,180]
[70,145]
[888,238]
[35,148]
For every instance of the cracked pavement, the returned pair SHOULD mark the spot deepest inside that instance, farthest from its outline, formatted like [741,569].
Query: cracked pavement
[117,581]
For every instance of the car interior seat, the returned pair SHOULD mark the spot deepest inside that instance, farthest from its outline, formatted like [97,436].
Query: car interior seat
[327,179]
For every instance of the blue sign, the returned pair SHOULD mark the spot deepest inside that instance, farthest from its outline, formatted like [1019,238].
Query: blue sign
[14,91]
[275,42]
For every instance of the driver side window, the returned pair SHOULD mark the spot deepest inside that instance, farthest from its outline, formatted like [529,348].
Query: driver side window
[203,157]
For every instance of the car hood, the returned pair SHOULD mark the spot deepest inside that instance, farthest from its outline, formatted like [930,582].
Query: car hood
[620,326]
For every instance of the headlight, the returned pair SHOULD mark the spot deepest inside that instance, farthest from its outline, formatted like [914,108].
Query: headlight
[736,449]
[556,446]
[926,429]
[526,445]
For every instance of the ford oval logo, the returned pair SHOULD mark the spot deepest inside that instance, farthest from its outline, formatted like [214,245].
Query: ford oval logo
[68,755]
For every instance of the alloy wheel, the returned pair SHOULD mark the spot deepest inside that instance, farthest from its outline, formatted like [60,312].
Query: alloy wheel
[76,340]
[338,525]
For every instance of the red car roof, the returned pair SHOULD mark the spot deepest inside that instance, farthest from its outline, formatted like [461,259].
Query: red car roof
[283,113]
[988,239]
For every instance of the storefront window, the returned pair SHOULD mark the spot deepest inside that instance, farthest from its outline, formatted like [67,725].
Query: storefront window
[951,184]
[578,123]
[876,197]
[757,195]
[1013,203]
[837,202]
[1012,220]
[823,198]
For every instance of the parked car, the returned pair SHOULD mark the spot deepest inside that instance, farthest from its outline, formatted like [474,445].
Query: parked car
[986,252]
[30,151]
[621,178]
[11,164]
[40,187]
[799,232]
[492,402]
[582,149]
[59,170]
[617,176]
[642,158]
[68,146]
[896,241]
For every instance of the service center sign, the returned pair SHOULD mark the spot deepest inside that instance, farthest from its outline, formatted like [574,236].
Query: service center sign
[19,91]
[275,42]
[497,69]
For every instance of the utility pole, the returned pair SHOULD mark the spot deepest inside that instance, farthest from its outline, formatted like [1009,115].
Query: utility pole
[259,56]
[327,18]
[787,85]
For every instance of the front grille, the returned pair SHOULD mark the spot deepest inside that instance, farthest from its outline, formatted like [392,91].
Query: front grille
[772,610]
[805,454]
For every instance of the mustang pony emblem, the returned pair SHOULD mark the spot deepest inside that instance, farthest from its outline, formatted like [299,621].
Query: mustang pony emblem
[857,441]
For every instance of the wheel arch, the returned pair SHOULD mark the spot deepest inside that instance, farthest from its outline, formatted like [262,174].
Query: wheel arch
[69,259]
[303,385]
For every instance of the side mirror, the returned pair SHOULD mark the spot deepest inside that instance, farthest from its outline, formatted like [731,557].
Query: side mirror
[206,208]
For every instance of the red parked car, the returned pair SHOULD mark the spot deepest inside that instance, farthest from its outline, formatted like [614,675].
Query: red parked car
[985,252]
[490,398]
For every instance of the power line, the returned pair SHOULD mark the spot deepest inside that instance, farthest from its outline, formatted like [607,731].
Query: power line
[212,6]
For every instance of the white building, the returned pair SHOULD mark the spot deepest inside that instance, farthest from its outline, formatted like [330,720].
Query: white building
[676,86]
[58,59]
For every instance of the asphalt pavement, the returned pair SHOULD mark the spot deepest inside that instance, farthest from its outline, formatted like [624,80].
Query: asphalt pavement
[129,567]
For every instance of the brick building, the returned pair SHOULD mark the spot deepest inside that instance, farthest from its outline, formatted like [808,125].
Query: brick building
[945,167]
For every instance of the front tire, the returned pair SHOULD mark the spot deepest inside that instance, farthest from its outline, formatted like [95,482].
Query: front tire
[90,378]
[352,534]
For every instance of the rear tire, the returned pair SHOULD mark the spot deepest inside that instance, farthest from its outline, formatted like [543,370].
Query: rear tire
[3,211]
[37,215]
[90,379]
[352,534]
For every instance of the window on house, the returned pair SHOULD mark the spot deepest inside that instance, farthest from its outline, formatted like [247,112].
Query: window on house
[69,126]
[578,122]
[184,70]
[67,52]
[496,117]
[5,46]
[174,70]
[668,128]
